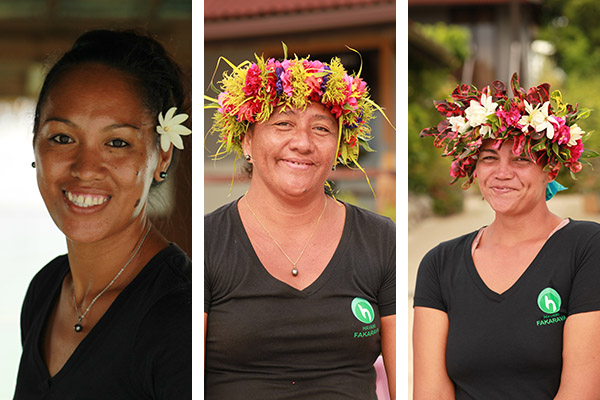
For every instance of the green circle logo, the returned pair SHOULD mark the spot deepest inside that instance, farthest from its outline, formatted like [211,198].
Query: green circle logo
[362,310]
[549,301]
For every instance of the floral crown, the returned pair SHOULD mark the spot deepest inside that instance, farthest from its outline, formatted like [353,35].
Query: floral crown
[252,92]
[546,134]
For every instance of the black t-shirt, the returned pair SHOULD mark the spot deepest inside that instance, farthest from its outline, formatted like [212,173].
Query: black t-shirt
[139,349]
[509,345]
[268,340]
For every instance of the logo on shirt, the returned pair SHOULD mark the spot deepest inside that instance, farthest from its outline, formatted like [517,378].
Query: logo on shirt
[549,302]
[362,310]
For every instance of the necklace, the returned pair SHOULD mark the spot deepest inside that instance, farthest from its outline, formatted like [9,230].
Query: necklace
[294,269]
[77,327]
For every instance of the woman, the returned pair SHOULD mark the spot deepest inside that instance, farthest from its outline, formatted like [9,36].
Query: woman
[112,318]
[510,311]
[299,287]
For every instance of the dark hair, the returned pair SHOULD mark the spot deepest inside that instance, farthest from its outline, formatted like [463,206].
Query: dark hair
[158,78]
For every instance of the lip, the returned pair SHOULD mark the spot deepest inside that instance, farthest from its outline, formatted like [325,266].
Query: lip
[83,201]
[502,189]
[297,164]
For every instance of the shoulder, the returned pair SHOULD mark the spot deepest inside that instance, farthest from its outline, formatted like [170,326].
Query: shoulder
[167,289]
[582,227]
[49,276]
[369,224]
[374,219]
[450,249]
[215,218]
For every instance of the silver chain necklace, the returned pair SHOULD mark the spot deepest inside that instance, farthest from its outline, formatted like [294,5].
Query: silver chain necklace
[294,269]
[77,327]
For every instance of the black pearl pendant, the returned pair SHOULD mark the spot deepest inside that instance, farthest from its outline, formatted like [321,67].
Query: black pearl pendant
[78,328]
[295,271]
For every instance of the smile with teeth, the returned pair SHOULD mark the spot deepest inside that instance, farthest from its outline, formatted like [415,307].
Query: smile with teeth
[297,163]
[86,200]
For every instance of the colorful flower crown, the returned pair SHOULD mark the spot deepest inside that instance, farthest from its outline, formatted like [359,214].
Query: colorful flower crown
[252,92]
[546,134]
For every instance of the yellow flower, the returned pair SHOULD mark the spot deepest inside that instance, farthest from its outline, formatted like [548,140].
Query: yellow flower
[171,130]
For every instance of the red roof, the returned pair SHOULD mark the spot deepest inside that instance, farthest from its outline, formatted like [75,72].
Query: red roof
[222,9]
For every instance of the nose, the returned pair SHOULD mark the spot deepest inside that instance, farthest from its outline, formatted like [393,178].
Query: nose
[302,140]
[87,164]
[504,170]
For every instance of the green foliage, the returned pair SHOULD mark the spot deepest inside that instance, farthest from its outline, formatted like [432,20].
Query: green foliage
[428,172]
[455,39]
[572,27]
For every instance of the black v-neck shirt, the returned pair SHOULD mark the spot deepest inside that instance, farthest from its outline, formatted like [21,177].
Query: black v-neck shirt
[139,349]
[509,345]
[269,340]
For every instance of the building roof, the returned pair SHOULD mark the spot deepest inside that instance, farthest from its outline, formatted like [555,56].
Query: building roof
[226,9]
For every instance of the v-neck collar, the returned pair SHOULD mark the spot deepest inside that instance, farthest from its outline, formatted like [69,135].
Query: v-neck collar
[314,286]
[479,282]
[98,327]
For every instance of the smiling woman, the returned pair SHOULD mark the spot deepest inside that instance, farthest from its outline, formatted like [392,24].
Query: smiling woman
[112,318]
[295,280]
[510,311]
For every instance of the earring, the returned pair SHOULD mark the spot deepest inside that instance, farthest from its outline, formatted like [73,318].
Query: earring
[247,157]
[163,174]
[33,164]
[333,167]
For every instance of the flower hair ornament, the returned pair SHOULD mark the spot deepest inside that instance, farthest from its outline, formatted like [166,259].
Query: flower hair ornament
[252,92]
[170,129]
[543,127]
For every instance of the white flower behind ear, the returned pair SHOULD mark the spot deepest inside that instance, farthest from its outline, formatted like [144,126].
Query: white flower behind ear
[171,130]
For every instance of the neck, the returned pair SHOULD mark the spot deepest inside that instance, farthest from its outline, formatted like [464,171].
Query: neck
[291,211]
[514,229]
[94,265]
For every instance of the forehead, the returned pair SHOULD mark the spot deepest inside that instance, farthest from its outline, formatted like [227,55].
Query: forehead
[94,89]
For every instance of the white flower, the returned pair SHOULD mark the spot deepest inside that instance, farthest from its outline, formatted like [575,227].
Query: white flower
[170,129]
[576,134]
[458,124]
[477,113]
[539,119]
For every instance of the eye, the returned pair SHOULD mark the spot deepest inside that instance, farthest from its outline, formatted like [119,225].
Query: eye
[117,143]
[523,160]
[322,129]
[61,138]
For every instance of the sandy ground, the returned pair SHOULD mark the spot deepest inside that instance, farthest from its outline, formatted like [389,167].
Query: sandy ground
[431,231]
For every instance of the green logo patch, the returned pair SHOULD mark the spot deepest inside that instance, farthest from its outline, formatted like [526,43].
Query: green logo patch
[549,301]
[362,310]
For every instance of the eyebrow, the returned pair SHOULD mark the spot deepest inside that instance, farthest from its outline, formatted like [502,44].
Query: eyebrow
[106,128]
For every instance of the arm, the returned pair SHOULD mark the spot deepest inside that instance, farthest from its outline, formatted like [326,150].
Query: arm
[580,377]
[430,334]
[388,350]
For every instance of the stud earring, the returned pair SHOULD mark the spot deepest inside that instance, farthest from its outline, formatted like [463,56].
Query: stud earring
[247,157]
[162,175]
[33,164]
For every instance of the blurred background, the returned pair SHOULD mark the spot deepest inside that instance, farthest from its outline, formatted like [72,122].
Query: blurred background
[238,29]
[476,42]
[33,33]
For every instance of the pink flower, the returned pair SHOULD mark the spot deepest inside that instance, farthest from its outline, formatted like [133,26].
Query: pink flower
[287,82]
[576,152]
[222,99]
[508,118]
[314,84]
[562,133]
[253,80]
